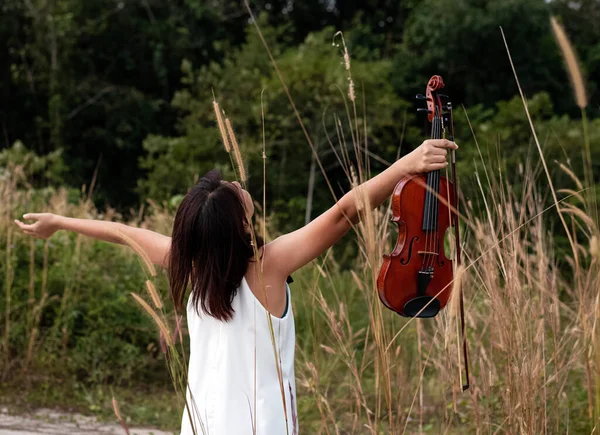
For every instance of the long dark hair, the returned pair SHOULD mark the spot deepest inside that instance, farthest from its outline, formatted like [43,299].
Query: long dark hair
[210,247]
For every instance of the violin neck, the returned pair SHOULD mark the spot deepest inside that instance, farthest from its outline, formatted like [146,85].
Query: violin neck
[430,212]
[437,127]
[430,215]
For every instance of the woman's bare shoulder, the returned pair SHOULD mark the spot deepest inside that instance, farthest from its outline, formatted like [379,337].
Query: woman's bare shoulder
[267,284]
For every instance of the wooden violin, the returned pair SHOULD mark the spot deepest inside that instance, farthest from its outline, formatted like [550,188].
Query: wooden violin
[415,280]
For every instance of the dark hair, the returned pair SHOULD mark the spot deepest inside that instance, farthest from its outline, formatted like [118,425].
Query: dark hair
[210,247]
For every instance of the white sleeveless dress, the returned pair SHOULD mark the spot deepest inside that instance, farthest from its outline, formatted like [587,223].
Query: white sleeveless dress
[233,382]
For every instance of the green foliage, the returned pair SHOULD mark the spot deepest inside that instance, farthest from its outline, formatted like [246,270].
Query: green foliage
[48,168]
[317,80]
[104,81]
[98,334]
[462,41]
[505,141]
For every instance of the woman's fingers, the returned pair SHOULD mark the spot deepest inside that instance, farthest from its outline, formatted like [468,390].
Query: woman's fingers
[24,227]
[444,143]
[27,229]
[436,166]
[437,158]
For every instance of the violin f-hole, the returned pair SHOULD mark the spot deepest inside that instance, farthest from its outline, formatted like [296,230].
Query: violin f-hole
[410,248]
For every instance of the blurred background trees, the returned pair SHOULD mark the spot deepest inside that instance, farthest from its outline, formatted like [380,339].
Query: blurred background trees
[126,87]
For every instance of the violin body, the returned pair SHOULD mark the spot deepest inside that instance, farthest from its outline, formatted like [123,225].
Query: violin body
[415,278]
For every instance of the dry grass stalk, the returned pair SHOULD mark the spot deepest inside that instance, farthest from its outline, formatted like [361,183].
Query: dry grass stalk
[221,126]
[577,82]
[38,309]
[156,300]
[7,200]
[454,303]
[138,249]
[162,342]
[288,95]
[118,414]
[351,92]
[162,327]
[9,274]
[572,65]
[178,333]
[236,151]
[31,286]
[542,158]
[567,170]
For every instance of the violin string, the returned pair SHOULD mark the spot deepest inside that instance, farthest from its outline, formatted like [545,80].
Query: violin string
[427,211]
[436,189]
[430,205]
[435,200]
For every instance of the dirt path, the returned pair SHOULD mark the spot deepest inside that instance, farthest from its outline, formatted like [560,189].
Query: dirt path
[49,422]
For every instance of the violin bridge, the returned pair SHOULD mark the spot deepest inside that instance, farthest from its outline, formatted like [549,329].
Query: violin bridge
[427,253]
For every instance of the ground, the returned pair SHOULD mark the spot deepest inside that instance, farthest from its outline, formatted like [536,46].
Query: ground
[47,421]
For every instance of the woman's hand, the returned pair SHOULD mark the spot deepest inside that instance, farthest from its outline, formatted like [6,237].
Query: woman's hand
[156,246]
[429,156]
[46,225]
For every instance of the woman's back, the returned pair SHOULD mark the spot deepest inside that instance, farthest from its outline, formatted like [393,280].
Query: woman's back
[236,373]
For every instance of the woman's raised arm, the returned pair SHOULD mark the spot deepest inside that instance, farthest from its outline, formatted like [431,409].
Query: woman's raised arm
[157,246]
[288,253]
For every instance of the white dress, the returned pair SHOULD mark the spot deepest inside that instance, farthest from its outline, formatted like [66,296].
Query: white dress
[233,383]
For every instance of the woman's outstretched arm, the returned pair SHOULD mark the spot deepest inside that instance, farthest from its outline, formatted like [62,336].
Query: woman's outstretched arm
[288,253]
[156,245]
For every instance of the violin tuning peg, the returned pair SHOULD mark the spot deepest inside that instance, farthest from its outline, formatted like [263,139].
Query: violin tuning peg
[443,96]
[420,97]
[422,109]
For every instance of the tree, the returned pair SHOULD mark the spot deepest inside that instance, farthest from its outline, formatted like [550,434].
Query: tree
[461,40]
[318,82]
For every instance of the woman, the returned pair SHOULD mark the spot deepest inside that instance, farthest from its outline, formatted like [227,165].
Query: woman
[240,375]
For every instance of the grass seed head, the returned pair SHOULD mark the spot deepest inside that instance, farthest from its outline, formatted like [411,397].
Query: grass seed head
[221,125]
[571,60]
[236,151]
[139,250]
[154,294]
[164,330]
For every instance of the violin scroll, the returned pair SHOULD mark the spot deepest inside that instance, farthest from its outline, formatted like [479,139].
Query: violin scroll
[434,103]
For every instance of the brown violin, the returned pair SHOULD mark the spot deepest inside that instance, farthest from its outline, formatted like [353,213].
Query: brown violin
[415,280]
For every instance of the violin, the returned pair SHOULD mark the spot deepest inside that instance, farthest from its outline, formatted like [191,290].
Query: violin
[416,278]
